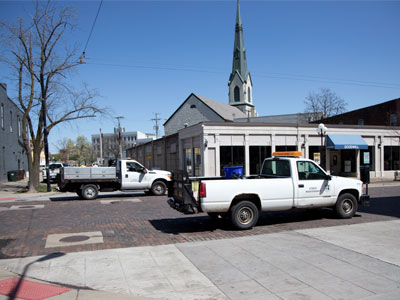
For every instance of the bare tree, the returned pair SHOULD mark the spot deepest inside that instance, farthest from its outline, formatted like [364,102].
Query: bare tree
[43,62]
[324,104]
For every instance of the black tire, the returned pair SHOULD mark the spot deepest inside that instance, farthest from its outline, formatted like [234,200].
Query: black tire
[89,192]
[158,188]
[244,215]
[346,206]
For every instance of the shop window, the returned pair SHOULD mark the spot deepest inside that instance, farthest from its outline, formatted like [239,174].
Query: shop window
[348,161]
[286,148]
[231,156]
[188,161]
[391,158]
[257,156]
[367,158]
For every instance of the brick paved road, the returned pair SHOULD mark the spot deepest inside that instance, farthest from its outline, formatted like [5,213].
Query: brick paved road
[152,222]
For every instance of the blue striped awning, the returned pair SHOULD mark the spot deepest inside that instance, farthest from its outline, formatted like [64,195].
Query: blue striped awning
[345,141]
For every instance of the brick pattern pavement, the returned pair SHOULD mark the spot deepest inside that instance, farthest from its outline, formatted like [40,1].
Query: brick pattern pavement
[152,222]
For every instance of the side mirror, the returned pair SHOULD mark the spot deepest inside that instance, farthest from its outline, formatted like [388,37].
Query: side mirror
[144,170]
[328,177]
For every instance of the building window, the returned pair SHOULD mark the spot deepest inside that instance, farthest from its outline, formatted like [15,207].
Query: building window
[360,122]
[249,95]
[257,156]
[2,116]
[193,106]
[391,158]
[19,127]
[231,156]
[197,162]
[393,120]
[236,94]
[11,127]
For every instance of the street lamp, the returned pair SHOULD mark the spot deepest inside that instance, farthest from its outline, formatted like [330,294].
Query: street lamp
[321,130]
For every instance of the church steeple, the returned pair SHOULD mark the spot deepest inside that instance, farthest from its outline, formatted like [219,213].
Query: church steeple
[240,85]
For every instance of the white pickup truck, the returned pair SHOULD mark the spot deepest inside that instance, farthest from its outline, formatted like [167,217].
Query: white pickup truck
[128,175]
[286,181]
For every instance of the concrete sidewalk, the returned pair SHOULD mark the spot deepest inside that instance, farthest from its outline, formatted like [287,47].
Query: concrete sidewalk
[359,261]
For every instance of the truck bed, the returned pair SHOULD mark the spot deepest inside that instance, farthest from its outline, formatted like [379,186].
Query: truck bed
[76,173]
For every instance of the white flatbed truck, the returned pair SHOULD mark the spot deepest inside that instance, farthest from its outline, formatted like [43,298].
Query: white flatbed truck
[128,175]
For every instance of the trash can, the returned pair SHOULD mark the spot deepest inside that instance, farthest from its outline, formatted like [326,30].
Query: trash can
[21,174]
[12,175]
[364,173]
[234,172]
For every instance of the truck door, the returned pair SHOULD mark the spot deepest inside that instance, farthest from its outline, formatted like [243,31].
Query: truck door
[314,189]
[133,176]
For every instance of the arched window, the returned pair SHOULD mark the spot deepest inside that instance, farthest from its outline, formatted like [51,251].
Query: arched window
[248,95]
[237,94]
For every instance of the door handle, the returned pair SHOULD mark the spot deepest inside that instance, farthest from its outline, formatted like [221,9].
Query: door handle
[301,185]
[126,175]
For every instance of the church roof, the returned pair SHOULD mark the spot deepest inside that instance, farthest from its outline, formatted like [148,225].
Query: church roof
[227,112]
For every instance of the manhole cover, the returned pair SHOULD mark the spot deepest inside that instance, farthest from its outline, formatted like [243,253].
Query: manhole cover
[75,238]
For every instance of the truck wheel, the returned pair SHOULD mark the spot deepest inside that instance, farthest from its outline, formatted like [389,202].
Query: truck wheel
[158,188]
[346,206]
[89,192]
[244,215]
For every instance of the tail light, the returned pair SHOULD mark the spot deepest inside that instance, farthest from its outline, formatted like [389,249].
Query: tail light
[203,192]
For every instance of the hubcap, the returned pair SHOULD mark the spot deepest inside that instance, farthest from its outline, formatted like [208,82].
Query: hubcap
[347,206]
[245,215]
[89,192]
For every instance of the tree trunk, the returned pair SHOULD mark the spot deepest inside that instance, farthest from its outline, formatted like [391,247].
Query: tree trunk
[34,169]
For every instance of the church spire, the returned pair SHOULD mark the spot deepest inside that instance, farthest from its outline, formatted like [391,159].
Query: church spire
[240,84]
[239,64]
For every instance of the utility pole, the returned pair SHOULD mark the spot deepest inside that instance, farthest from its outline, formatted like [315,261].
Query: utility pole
[101,147]
[120,136]
[156,119]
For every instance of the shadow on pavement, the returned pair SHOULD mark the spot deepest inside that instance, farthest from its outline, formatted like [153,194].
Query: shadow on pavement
[104,196]
[386,206]
[14,292]
[204,223]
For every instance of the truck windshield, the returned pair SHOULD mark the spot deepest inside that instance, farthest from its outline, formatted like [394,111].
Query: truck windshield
[276,168]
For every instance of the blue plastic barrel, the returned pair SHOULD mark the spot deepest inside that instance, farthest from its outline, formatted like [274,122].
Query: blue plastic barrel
[230,171]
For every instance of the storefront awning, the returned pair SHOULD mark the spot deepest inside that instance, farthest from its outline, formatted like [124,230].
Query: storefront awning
[345,141]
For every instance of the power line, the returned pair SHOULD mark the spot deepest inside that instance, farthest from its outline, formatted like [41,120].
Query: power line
[283,76]
[94,22]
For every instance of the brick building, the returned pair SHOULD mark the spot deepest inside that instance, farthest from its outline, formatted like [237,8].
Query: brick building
[382,114]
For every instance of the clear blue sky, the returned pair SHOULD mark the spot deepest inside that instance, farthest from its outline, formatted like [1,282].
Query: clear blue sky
[146,57]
